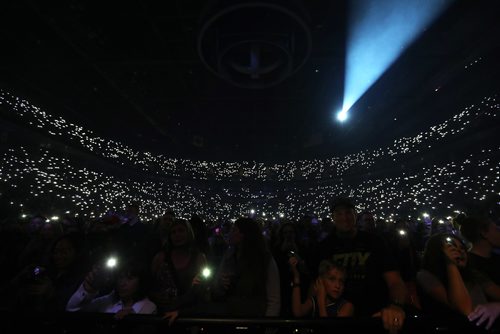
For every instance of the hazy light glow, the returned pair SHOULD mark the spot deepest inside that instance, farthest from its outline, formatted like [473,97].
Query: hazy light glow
[111,262]
[206,272]
[342,115]
[379,31]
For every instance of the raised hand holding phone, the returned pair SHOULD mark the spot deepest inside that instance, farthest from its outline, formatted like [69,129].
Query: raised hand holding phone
[101,275]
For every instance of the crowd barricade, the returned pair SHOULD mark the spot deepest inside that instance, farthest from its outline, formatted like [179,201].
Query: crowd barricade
[91,323]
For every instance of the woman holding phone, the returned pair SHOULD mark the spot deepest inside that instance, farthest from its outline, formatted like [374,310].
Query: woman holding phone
[449,286]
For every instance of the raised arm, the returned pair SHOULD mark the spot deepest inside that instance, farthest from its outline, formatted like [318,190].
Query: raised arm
[298,309]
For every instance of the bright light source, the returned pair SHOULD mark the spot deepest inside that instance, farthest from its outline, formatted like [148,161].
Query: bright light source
[426,215]
[402,232]
[342,115]
[111,262]
[252,211]
[206,272]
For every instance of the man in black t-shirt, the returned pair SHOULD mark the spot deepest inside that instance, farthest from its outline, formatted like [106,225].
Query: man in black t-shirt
[374,284]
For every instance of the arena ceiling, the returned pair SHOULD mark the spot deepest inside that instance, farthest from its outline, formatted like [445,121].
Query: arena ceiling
[202,80]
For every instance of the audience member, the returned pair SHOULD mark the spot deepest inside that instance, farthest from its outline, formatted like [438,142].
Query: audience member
[248,282]
[373,283]
[175,269]
[288,245]
[450,287]
[325,298]
[129,295]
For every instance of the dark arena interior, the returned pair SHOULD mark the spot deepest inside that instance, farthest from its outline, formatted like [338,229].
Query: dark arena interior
[123,123]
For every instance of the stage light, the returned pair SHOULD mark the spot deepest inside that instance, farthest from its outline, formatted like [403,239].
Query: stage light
[378,33]
[342,115]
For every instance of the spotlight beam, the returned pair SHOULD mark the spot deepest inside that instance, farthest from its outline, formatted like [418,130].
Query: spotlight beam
[378,33]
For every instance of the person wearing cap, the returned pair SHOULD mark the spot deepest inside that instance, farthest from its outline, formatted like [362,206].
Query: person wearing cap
[373,284]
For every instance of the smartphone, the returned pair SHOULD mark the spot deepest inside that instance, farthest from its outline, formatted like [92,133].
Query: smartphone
[104,272]
[38,272]
[111,262]
[206,273]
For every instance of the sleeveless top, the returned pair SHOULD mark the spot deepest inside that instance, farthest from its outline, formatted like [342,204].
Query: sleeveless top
[332,309]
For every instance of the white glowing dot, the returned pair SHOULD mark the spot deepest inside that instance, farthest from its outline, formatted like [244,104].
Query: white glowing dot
[206,272]
[111,262]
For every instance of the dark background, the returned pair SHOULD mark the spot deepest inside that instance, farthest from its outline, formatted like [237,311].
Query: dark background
[131,71]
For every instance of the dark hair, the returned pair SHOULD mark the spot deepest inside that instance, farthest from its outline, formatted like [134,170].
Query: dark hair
[281,234]
[254,256]
[434,259]
[253,241]
[79,263]
[76,240]
[326,265]
[190,234]
[365,212]
[135,268]
[200,232]
[169,212]
[284,226]
[472,227]
[342,201]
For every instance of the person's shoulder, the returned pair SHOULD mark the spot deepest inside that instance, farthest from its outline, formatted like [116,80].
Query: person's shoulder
[145,306]
[425,277]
